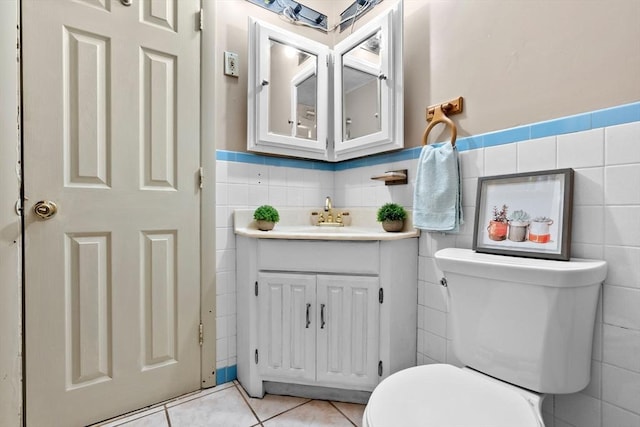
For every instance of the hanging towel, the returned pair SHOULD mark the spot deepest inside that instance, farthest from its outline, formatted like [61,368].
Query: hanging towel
[437,201]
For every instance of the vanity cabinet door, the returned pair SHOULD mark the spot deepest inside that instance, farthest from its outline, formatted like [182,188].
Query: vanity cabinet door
[348,330]
[286,325]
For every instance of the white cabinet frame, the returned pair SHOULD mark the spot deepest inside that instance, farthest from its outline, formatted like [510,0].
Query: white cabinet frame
[328,143]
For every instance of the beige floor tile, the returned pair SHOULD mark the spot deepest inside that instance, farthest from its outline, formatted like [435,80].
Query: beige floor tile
[316,413]
[197,394]
[271,404]
[124,419]
[159,419]
[353,411]
[225,408]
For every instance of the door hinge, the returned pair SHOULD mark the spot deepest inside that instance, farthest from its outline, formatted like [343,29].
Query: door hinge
[201,334]
[201,24]
[381,295]
[256,356]
[380,368]
[201,177]
[255,289]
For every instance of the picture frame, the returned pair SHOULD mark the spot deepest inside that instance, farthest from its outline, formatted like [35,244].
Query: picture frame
[525,214]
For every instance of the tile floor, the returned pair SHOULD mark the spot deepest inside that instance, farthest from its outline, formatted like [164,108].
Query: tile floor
[228,405]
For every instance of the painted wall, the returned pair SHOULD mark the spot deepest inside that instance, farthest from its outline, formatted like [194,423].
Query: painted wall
[514,62]
[10,271]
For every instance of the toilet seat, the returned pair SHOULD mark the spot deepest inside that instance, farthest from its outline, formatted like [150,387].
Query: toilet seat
[446,396]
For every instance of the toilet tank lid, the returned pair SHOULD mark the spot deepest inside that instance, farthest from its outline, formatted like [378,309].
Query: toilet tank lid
[573,273]
[444,395]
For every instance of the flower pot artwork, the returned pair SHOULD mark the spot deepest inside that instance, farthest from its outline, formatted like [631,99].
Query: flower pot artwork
[539,230]
[497,230]
[518,231]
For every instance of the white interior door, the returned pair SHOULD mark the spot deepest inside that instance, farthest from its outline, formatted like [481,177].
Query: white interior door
[111,135]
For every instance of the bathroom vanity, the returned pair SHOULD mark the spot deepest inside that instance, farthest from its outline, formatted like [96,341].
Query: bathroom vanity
[324,311]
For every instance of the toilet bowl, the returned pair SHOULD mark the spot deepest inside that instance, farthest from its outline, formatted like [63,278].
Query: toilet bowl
[522,327]
[446,396]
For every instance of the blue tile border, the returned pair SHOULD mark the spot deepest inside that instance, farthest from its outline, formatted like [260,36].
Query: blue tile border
[580,122]
[227,374]
[616,115]
[561,126]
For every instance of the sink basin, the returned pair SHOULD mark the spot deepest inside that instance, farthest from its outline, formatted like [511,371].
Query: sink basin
[330,224]
[295,224]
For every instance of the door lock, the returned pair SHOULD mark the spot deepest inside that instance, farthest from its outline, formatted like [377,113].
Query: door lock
[45,209]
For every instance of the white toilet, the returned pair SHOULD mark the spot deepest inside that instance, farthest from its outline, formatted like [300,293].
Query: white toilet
[522,327]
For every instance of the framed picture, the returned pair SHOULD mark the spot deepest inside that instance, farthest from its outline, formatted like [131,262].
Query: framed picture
[525,214]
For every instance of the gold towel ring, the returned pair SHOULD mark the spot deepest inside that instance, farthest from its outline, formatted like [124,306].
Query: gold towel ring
[440,117]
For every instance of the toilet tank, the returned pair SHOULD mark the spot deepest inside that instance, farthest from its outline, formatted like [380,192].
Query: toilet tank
[525,321]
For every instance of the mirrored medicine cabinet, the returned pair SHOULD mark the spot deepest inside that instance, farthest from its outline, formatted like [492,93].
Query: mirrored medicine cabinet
[306,100]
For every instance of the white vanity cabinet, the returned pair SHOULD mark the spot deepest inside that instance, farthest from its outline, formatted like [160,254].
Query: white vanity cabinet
[335,314]
[320,328]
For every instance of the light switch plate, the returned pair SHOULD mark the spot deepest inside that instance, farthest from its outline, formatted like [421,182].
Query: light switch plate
[231,66]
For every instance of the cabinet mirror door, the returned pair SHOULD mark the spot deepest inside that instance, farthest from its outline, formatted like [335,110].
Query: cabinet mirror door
[288,99]
[361,89]
[368,88]
[304,99]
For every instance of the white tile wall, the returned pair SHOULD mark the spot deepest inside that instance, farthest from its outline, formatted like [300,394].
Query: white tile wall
[500,160]
[622,144]
[606,225]
[537,154]
[243,185]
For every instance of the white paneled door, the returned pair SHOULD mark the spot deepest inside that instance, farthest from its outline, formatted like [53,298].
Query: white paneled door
[348,336]
[111,136]
[287,327]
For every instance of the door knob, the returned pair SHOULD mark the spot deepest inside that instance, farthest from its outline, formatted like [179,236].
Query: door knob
[45,209]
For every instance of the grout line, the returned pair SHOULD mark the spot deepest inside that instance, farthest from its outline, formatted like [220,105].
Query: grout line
[247,402]
[166,414]
[342,413]
[242,393]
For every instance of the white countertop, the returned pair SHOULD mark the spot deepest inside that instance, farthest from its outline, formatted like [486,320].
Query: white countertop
[295,224]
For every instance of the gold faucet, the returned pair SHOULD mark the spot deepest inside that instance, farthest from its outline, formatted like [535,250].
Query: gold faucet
[328,218]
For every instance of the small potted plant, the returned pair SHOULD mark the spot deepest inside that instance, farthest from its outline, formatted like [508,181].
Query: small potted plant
[518,223]
[498,225]
[392,217]
[266,217]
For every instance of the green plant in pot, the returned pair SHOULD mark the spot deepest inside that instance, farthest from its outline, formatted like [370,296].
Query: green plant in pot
[392,217]
[266,217]
[518,222]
